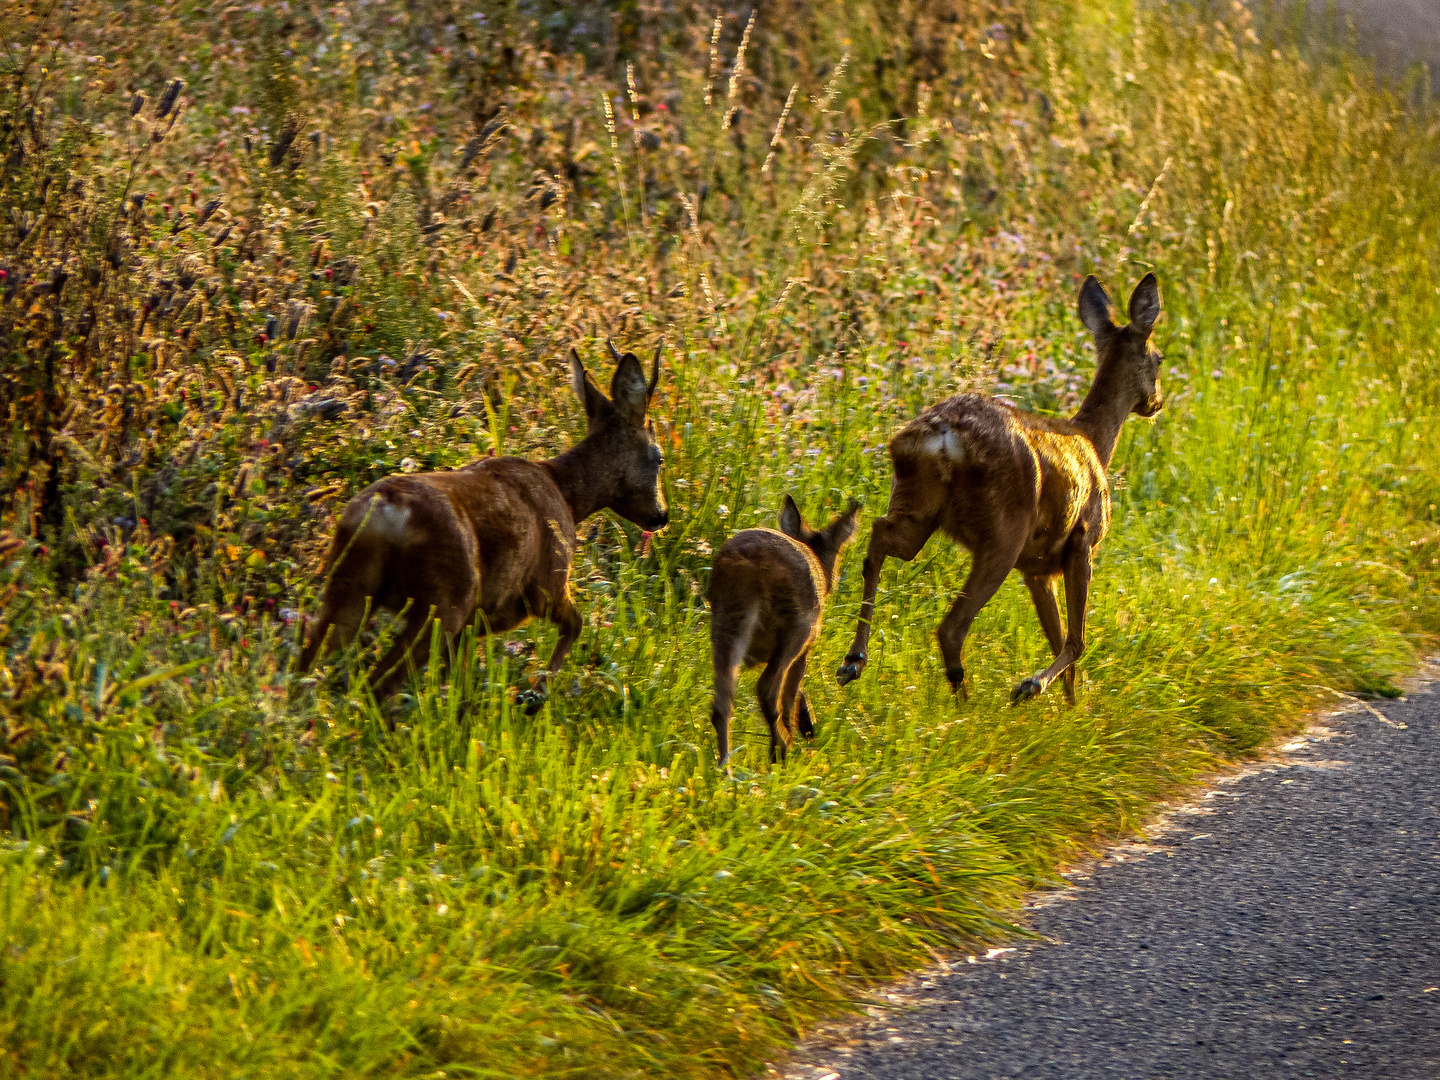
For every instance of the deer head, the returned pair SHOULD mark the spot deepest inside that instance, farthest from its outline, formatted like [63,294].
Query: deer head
[1128,364]
[622,458]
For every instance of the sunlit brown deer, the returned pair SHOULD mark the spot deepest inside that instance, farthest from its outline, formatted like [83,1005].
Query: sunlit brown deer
[1020,491]
[767,590]
[495,537]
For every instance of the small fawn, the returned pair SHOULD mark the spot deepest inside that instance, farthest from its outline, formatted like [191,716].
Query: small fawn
[495,537]
[1020,491]
[767,590]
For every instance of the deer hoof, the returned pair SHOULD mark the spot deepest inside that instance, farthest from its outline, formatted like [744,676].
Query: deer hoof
[1029,688]
[851,669]
[532,700]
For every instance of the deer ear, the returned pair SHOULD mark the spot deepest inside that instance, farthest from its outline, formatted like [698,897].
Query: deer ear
[791,523]
[1145,304]
[655,372]
[1095,307]
[629,392]
[585,389]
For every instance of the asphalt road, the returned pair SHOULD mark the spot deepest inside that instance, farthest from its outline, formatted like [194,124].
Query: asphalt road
[1397,31]
[1287,924]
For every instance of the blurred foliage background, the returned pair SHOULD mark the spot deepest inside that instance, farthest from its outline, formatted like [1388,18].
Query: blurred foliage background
[254,257]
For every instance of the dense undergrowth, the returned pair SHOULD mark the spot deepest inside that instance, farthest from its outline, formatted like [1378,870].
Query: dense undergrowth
[356,238]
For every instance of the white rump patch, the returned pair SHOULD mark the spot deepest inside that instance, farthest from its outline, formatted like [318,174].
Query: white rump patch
[388,521]
[944,442]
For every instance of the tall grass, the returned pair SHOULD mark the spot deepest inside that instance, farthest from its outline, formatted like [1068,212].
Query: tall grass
[214,868]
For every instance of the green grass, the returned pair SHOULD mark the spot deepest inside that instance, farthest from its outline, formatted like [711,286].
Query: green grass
[214,869]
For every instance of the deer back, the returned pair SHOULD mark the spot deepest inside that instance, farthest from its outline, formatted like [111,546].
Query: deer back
[971,462]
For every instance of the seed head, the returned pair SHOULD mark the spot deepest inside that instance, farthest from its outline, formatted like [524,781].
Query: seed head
[168,99]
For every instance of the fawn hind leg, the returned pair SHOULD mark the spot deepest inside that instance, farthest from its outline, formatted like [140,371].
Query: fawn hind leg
[792,699]
[727,648]
[770,689]
[804,719]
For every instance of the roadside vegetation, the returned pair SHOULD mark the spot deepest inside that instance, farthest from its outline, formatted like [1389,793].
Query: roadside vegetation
[254,257]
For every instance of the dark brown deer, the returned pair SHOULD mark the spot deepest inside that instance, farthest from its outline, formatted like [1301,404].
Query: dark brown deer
[1020,491]
[767,590]
[495,537]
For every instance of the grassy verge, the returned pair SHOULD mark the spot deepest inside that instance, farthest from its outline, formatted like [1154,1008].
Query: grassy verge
[211,868]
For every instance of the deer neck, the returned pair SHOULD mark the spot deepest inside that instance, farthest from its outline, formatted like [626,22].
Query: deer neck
[579,481]
[1102,414]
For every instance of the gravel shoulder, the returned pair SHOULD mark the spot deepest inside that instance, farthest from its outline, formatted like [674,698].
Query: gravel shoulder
[1286,923]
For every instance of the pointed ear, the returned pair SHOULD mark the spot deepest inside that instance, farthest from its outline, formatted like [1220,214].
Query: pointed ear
[654,373]
[1095,307]
[628,391]
[842,529]
[585,389]
[791,523]
[1145,304]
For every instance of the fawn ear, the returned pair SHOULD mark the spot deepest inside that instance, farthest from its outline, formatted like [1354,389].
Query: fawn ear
[842,529]
[629,391]
[1145,304]
[585,389]
[791,523]
[1095,307]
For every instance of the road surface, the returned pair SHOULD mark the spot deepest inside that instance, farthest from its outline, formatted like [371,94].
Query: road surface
[1286,924]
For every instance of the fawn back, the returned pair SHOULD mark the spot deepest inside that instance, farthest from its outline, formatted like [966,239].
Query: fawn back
[767,592]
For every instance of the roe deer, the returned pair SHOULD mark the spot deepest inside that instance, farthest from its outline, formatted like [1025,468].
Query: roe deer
[495,537]
[1020,491]
[767,590]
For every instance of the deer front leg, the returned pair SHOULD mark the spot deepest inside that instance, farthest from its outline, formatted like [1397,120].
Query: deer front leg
[1042,591]
[1077,594]
[564,615]
[903,538]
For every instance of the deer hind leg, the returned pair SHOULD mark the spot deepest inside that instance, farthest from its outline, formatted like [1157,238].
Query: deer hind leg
[902,536]
[406,652]
[353,582]
[1042,591]
[770,689]
[448,598]
[1077,595]
[991,563]
[334,627]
